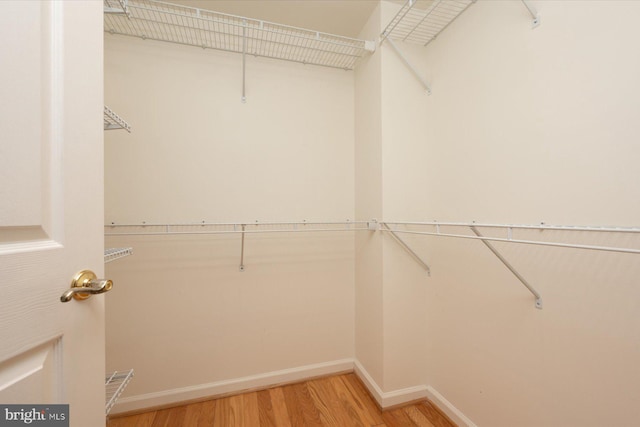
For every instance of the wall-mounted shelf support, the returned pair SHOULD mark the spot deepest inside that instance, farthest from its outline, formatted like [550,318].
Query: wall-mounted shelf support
[411,68]
[113,254]
[534,13]
[244,61]
[406,247]
[113,121]
[244,227]
[421,25]
[510,267]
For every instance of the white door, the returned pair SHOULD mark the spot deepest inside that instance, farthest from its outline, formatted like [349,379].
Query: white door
[51,205]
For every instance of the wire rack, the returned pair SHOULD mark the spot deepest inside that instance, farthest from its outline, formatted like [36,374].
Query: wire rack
[420,21]
[113,121]
[149,19]
[113,254]
[232,228]
[116,6]
[115,385]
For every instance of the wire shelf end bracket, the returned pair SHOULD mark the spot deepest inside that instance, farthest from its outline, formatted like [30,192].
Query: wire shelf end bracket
[113,254]
[534,13]
[507,264]
[113,121]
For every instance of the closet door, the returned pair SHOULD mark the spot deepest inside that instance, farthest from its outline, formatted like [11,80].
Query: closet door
[51,210]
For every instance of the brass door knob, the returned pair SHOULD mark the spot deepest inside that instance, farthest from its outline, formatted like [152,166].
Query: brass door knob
[84,284]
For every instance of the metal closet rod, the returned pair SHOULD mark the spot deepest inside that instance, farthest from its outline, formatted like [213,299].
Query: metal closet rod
[238,227]
[241,228]
[510,239]
[473,226]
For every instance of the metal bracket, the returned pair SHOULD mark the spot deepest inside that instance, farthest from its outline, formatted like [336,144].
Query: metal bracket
[510,267]
[406,248]
[534,13]
[242,249]
[244,63]
[409,66]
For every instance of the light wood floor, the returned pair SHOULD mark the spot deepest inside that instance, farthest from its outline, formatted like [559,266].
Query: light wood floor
[337,401]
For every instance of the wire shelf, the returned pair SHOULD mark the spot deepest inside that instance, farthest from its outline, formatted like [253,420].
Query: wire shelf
[150,19]
[437,229]
[421,21]
[113,121]
[113,254]
[115,385]
[116,6]
[231,228]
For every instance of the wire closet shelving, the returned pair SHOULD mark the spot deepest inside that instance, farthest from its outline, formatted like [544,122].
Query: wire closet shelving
[115,383]
[113,121]
[155,20]
[113,254]
[243,229]
[451,229]
[421,21]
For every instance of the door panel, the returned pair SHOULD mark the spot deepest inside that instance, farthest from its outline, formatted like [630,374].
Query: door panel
[51,205]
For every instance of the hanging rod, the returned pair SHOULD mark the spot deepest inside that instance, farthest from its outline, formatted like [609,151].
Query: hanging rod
[239,228]
[473,226]
[144,229]
[510,239]
[155,20]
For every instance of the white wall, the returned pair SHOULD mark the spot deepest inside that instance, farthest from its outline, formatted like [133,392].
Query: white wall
[181,314]
[369,327]
[523,126]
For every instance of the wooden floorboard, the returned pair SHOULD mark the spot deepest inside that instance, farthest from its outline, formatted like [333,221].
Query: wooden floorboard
[337,401]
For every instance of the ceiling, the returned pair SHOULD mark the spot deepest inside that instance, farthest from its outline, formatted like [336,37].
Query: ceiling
[341,17]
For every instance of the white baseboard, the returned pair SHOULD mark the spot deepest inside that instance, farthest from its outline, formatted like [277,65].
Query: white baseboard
[445,406]
[236,385]
[390,398]
[269,379]
[406,395]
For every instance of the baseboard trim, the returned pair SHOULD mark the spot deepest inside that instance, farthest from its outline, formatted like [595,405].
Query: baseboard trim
[448,409]
[386,400]
[216,389]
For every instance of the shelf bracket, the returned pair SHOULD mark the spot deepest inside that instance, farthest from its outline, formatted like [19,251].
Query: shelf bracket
[244,62]
[409,65]
[406,247]
[242,249]
[534,13]
[510,267]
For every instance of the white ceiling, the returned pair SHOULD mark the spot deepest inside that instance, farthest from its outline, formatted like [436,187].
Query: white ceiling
[341,17]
